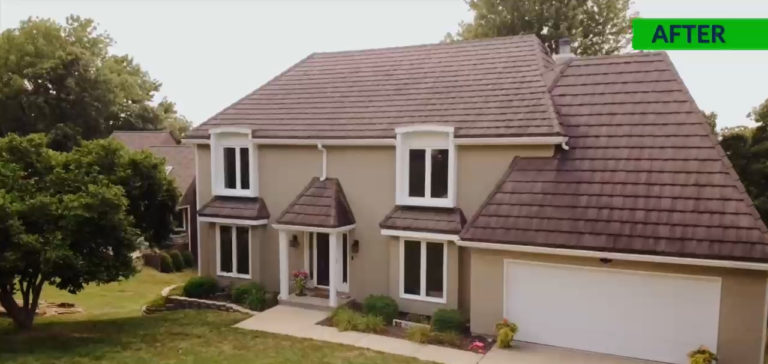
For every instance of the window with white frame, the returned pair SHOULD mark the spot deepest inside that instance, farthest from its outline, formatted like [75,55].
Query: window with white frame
[423,270]
[180,219]
[426,168]
[233,164]
[234,251]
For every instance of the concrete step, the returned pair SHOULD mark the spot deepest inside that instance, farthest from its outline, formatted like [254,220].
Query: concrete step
[311,306]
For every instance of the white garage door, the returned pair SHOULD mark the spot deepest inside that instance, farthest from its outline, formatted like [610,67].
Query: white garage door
[636,314]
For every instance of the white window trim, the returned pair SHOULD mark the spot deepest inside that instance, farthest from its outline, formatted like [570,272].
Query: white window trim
[342,287]
[234,273]
[185,221]
[233,138]
[402,164]
[423,272]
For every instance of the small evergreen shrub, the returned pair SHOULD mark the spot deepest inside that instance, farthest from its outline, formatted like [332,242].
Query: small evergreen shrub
[189,259]
[254,296]
[382,306]
[166,264]
[445,320]
[241,293]
[177,260]
[418,334]
[200,287]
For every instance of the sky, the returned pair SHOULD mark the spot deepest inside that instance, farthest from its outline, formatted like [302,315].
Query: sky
[208,54]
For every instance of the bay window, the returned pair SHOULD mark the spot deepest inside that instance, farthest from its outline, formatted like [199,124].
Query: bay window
[233,251]
[423,270]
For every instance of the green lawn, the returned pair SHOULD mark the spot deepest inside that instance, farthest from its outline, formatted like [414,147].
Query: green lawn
[112,331]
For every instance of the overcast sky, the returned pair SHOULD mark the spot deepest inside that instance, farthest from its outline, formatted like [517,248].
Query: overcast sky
[208,54]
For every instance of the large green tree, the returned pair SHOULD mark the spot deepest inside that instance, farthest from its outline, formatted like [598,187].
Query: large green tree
[747,149]
[54,74]
[55,227]
[596,27]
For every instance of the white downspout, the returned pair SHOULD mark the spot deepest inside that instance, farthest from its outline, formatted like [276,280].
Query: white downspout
[564,146]
[325,160]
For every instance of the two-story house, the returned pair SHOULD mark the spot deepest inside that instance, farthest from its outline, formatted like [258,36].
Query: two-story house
[585,199]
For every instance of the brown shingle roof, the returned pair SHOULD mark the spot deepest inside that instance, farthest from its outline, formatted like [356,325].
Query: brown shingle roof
[181,159]
[242,208]
[485,88]
[320,204]
[137,140]
[424,219]
[644,173]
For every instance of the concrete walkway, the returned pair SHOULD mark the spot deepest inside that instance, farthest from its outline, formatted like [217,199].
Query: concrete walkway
[300,322]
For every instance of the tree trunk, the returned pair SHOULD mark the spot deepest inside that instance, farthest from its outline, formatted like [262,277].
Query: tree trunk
[22,318]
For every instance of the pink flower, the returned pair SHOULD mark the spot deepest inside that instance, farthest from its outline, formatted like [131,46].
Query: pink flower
[477,346]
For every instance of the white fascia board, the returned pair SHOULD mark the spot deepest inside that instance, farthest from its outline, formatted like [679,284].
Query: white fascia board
[326,142]
[230,129]
[424,128]
[615,256]
[313,229]
[556,140]
[222,220]
[194,141]
[419,235]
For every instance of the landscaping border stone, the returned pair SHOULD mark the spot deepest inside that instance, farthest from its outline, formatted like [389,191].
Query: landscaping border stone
[182,303]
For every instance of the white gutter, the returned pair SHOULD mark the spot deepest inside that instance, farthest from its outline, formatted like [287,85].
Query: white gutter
[511,141]
[223,220]
[615,256]
[419,235]
[325,160]
[312,228]
[558,140]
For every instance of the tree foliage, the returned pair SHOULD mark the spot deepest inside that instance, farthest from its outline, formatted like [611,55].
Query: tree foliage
[747,149]
[596,27]
[70,219]
[54,74]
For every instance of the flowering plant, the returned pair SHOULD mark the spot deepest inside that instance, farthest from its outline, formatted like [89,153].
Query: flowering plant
[477,346]
[505,333]
[300,278]
[702,355]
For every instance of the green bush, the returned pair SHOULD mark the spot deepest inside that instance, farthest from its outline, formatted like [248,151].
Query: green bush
[445,320]
[254,296]
[166,265]
[505,333]
[241,293]
[189,259]
[418,334]
[345,319]
[382,306]
[177,260]
[200,287]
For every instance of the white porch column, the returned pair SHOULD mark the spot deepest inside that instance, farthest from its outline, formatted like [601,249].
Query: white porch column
[283,238]
[333,276]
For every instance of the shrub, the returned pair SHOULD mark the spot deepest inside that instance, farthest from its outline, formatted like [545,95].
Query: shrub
[505,333]
[177,260]
[166,265]
[189,259]
[345,319]
[200,287]
[449,338]
[445,320]
[418,334]
[241,293]
[382,306]
[702,355]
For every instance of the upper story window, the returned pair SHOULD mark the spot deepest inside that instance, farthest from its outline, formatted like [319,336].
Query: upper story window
[233,167]
[426,166]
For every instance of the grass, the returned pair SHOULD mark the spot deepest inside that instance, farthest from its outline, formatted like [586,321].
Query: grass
[112,330]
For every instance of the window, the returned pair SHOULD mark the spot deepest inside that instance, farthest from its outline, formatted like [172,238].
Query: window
[423,270]
[426,168]
[180,219]
[234,251]
[236,163]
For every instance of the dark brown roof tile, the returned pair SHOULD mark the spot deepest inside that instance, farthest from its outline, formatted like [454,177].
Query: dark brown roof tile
[242,208]
[424,219]
[322,203]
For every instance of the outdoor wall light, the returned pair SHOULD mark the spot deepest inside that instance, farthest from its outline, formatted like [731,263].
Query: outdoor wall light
[294,242]
[355,246]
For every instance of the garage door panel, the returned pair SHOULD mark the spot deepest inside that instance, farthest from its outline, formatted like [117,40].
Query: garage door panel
[637,314]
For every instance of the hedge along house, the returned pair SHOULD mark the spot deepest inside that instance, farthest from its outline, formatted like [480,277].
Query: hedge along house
[603,214]
[179,165]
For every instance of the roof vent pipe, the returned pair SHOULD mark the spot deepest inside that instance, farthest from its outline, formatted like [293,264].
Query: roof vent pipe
[325,160]
[564,50]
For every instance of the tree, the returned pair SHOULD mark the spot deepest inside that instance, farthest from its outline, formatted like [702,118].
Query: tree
[711,119]
[747,149]
[54,74]
[55,227]
[596,27]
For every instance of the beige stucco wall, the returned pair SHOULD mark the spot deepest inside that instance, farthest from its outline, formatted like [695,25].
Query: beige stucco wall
[742,305]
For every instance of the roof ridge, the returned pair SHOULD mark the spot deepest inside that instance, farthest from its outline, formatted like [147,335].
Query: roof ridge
[438,44]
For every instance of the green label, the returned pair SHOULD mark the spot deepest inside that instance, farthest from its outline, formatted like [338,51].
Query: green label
[699,34]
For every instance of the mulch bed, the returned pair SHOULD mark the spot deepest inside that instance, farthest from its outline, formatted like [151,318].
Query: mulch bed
[400,333]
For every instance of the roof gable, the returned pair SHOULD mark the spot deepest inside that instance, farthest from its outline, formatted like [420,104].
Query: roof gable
[322,203]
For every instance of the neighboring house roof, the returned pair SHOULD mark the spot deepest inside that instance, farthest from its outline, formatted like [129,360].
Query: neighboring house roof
[241,208]
[322,203]
[137,140]
[484,88]
[644,173]
[425,219]
[181,160]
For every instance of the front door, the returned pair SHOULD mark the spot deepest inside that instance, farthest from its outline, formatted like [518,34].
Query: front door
[318,260]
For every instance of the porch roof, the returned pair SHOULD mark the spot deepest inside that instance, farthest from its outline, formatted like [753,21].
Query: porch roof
[424,219]
[239,208]
[321,204]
